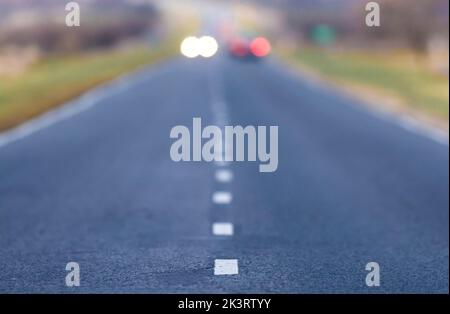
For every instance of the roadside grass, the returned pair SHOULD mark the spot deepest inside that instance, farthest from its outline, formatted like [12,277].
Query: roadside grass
[55,80]
[402,75]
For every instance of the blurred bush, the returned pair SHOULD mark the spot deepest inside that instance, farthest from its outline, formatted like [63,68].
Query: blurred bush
[409,24]
[101,26]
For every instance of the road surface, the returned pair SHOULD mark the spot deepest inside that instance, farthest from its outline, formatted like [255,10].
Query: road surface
[98,187]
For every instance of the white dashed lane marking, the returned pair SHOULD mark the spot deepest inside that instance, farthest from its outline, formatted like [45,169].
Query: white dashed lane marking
[224,175]
[221,163]
[226,267]
[222,197]
[223,229]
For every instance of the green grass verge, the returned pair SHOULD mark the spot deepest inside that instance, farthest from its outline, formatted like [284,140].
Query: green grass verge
[398,74]
[53,81]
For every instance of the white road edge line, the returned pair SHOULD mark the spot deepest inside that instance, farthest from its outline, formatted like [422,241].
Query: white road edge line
[226,267]
[223,229]
[72,107]
[404,121]
[47,119]
[222,197]
[414,126]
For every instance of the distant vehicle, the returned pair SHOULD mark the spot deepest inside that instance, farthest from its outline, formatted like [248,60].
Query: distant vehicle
[250,48]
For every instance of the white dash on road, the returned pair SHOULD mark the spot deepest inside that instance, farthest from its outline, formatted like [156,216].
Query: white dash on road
[220,162]
[224,175]
[223,229]
[222,197]
[226,267]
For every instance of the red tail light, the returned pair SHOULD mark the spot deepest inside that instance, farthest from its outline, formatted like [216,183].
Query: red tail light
[260,47]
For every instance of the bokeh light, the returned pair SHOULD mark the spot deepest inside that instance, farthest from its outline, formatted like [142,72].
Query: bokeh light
[190,47]
[260,47]
[207,46]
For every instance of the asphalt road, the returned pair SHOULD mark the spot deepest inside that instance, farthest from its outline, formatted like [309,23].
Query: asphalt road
[99,188]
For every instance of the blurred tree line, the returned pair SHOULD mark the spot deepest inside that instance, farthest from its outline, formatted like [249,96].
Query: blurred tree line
[404,23]
[103,24]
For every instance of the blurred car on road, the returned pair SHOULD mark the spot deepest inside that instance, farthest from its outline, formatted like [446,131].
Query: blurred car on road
[249,47]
